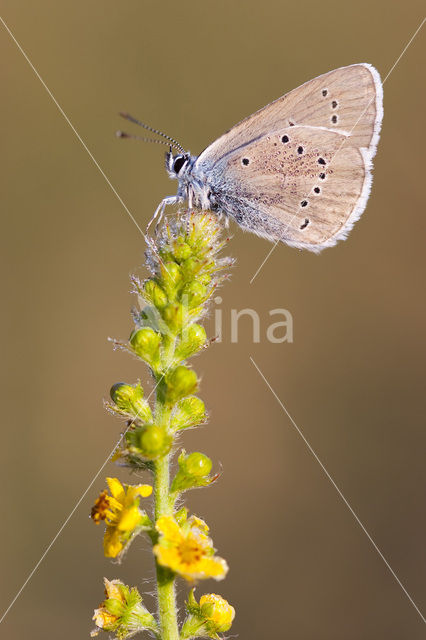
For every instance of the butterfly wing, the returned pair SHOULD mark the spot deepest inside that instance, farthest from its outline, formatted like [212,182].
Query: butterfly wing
[336,116]
[356,90]
[300,184]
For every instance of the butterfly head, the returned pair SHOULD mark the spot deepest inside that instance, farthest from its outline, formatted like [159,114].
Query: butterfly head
[177,164]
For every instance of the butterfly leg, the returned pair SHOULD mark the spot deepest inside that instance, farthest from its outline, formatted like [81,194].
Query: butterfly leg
[223,218]
[160,209]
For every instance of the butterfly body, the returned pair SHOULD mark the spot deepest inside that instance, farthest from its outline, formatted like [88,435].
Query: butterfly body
[298,170]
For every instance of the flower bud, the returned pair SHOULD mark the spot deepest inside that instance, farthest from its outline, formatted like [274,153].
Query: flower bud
[181,250]
[129,400]
[192,340]
[154,441]
[171,275]
[196,464]
[188,413]
[146,344]
[122,612]
[217,611]
[193,294]
[155,294]
[213,615]
[191,267]
[180,382]
[194,470]
[174,315]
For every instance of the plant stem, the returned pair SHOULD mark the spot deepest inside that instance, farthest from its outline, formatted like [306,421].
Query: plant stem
[165,579]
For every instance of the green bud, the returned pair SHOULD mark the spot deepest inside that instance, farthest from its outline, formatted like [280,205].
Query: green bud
[125,394]
[154,441]
[146,344]
[193,294]
[191,267]
[181,250]
[174,315]
[181,382]
[171,276]
[196,464]
[129,400]
[194,470]
[188,413]
[193,339]
[155,294]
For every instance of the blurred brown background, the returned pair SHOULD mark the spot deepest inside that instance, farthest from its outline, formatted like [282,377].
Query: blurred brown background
[301,567]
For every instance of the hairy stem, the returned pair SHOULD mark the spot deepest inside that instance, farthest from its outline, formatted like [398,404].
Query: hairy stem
[165,579]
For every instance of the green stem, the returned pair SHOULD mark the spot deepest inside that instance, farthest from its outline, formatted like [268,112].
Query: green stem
[165,579]
[164,503]
[168,351]
[162,498]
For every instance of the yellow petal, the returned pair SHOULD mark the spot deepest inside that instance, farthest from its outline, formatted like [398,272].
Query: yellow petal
[170,529]
[144,490]
[202,541]
[103,619]
[112,543]
[167,557]
[116,488]
[194,521]
[215,567]
[130,518]
[112,590]
[134,491]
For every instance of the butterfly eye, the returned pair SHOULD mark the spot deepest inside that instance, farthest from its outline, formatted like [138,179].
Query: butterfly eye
[334,119]
[334,104]
[322,176]
[178,164]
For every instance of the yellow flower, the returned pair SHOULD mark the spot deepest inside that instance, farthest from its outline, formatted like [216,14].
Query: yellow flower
[217,611]
[187,549]
[122,515]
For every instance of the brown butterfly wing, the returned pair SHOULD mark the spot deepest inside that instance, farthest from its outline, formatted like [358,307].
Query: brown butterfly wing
[301,185]
[348,98]
[336,116]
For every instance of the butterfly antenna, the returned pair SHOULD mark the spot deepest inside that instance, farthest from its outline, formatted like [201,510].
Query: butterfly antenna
[176,144]
[123,134]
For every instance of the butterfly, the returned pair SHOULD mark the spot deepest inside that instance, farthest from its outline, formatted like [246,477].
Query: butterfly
[298,170]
